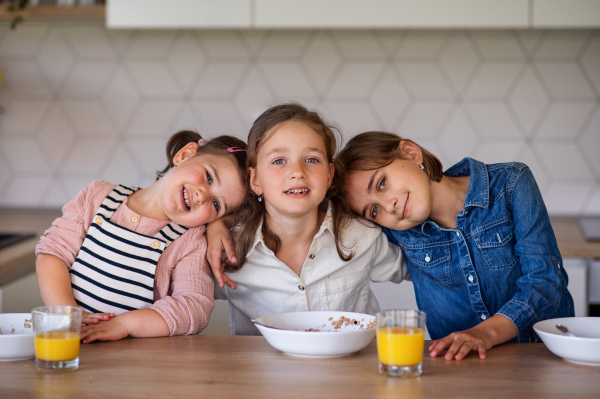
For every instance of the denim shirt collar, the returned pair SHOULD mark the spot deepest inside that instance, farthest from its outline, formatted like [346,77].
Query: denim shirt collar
[478,193]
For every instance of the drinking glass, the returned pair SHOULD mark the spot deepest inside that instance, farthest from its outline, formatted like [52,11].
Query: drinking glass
[400,341]
[56,331]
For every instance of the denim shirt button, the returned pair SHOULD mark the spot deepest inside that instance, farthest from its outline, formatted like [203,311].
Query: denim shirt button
[483,317]
[558,265]
[427,258]
[470,277]
[457,233]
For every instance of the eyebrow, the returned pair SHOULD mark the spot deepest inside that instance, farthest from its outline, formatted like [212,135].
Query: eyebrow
[281,149]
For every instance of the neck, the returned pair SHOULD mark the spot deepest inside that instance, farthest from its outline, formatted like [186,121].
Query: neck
[146,202]
[448,199]
[297,229]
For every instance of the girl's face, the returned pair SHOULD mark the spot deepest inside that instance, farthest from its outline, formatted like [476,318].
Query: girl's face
[397,196]
[292,170]
[201,188]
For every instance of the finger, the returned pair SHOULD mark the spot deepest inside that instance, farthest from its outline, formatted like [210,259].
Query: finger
[215,265]
[84,333]
[229,282]
[464,350]
[454,348]
[482,351]
[92,337]
[229,250]
[438,346]
[90,320]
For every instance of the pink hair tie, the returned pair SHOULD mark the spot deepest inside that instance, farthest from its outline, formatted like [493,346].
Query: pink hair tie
[235,149]
[201,142]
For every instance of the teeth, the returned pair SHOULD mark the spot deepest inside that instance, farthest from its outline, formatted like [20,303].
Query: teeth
[185,198]
[298,191]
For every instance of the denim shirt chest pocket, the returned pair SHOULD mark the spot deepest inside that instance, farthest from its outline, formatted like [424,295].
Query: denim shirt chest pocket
[497,246]
[432,261]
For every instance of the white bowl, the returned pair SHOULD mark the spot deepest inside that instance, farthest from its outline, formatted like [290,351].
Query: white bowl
[583,349]
[16,336]
[290,332]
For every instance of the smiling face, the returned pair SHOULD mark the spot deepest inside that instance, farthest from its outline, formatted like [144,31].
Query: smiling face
[292,170]
[397,196]
[201,188]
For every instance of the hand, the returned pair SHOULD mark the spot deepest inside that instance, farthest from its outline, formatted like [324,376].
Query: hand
[111,330]
[481,338]
[218,238]
[460,343]
[94,318]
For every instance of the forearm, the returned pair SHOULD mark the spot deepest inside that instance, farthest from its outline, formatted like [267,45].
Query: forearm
[54,281]
[144,323]
[498,329]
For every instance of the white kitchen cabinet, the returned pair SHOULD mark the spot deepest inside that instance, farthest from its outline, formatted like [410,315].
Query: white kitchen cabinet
[566,14]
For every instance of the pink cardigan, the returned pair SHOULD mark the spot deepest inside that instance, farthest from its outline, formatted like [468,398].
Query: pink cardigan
[183,286]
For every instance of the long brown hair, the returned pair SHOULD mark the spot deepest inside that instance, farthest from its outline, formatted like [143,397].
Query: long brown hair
[215,146]
[254,212]
[374,150]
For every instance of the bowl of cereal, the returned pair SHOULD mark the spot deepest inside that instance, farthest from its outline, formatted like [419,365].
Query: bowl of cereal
[16,336]
[319,333]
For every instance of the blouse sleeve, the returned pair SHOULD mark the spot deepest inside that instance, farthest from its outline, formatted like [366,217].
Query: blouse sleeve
[64,238]
[188,307]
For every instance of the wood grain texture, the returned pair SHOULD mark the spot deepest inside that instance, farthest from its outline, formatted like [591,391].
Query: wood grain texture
[235,366]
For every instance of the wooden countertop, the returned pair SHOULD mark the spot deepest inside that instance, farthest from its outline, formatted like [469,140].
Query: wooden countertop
[213,366]
[19,259]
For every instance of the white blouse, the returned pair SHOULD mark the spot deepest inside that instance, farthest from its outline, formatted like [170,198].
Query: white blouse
[266,285]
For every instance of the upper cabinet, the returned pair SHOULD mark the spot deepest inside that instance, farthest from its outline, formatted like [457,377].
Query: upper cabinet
[300,14]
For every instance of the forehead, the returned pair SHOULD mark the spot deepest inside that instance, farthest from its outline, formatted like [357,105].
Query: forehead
[288,134]
[356,189]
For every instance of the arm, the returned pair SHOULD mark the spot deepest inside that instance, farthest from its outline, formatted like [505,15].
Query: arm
[136,323]
[218,237]
[389,264]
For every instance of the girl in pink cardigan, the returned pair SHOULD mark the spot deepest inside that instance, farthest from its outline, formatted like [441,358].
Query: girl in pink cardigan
[134,259]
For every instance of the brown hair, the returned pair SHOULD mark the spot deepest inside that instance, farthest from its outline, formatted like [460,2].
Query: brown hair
[253,212]
[215,146]
[374,150]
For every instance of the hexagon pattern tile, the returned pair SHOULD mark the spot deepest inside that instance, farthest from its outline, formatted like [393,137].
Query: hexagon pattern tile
[82,103]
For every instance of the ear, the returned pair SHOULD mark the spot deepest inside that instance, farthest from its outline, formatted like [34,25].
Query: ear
[409,150]
[188,151]
[331,172]
[254,183]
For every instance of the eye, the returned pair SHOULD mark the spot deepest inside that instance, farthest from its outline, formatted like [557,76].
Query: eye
[374,211]
[208,178]
[216,204]
[382,184]
[278,162]
[312,160]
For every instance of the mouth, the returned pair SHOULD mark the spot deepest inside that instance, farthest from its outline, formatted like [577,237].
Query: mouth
[184,197]
[405,211]
[298,191]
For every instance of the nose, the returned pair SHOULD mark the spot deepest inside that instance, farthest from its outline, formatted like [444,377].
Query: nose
[297,170]
[390,205]
[201,196]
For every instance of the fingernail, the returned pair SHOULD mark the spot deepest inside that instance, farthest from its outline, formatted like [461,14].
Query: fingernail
[234,259]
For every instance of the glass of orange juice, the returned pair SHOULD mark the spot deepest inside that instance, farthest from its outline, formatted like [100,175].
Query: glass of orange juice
[56,331]
[400,341]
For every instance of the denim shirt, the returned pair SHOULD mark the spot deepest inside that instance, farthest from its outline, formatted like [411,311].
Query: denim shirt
[502,257]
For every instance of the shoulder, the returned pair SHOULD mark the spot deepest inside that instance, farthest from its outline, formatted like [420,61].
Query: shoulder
[193,239]
[89,198]
[504,176]
[360,233]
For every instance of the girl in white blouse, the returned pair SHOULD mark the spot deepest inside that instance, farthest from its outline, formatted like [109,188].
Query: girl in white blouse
[297,248]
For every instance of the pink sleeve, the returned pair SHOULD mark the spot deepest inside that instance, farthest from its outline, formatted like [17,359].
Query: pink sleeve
[64,238]
[188,307]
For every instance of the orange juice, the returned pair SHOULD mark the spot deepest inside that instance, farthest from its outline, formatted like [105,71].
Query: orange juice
[57,346]
[400,346]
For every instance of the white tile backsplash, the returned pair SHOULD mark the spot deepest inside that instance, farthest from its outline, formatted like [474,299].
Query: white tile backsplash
[90,103]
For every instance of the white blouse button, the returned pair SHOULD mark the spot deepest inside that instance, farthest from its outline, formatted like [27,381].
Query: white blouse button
[470,277]
[311,256]
[427,258]
[483,317]
[301,287]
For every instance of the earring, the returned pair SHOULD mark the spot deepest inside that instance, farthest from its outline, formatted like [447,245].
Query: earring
[260,198]
[176,163]
[422,167]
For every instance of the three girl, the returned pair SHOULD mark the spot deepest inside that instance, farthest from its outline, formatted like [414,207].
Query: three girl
[477,239]
[297,249]
[134,259]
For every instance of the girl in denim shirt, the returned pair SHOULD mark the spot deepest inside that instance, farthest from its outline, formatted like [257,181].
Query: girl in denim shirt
[478,241]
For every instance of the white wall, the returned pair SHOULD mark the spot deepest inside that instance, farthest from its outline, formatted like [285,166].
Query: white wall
[83,103]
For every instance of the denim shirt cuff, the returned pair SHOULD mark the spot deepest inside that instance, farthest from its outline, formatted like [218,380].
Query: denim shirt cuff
[523,317]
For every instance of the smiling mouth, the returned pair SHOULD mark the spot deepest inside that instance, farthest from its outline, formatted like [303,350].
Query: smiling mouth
[297,191]
[185,200]
[405,211]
